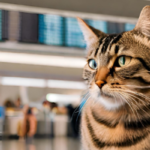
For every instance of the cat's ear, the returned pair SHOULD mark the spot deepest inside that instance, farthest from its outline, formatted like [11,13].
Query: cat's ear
[143,24]
[91,35]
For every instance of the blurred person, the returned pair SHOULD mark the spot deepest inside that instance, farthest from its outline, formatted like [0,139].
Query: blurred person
[46,105]
[18,103]
[54,107]
[46,110]
[35,111]
[22,122]
[62,110]
[8,104]
[49,115]
[28,126]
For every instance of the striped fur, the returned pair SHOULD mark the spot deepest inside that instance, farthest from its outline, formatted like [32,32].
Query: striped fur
[116,115]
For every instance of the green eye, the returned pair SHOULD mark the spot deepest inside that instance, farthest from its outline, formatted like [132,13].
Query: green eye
[92,64]
[123,61]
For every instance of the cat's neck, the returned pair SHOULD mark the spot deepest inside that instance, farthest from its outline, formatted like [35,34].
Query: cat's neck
[123,114]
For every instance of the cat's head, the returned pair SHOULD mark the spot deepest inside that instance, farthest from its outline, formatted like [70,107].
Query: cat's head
[118,65]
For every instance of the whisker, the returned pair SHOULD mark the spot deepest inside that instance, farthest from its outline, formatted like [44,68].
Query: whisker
[132,96]
[122,97]
[138,114]
[129,93]
[135,113]
[138,87]
[114,97]
[138,94]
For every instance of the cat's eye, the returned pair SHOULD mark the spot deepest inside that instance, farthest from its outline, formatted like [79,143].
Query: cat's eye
[92,64]
[123,61]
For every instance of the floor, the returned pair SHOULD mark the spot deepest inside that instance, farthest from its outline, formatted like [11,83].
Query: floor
[61,143]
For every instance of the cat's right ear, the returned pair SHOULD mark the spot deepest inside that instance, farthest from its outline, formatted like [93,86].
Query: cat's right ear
[91,35]
[143,24]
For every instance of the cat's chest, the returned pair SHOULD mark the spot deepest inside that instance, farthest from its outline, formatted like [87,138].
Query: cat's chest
[99,134]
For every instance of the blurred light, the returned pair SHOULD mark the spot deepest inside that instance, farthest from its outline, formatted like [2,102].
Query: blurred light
[31,82]
[62,98]
[15,81]
[46,60]
[66,84]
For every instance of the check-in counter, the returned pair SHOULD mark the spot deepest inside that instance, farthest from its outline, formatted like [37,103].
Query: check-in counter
[49,124]
[60,125]
[52,125]
[12,120]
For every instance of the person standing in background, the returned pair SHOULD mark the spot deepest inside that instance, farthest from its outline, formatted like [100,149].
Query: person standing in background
[18,103]
[29,126]
[22,123]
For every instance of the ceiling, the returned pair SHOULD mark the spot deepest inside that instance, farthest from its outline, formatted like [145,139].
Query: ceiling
[127,8]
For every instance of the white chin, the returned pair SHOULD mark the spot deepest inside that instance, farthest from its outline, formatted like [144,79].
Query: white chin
[110,104]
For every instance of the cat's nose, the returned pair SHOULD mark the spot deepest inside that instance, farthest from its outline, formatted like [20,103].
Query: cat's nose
[100,83]
[101,76]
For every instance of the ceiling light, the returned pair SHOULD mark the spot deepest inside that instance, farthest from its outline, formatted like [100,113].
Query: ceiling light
[42,83]
[66,84]
[61,98]
[15,81]
[46,60]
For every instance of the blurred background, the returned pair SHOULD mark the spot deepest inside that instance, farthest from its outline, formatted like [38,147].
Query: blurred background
[42,54]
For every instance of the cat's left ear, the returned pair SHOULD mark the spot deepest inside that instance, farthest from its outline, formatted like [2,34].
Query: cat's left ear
[91,35]
[143,24]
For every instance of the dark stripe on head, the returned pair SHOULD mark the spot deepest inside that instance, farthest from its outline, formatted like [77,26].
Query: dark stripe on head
[116,39]
[107,42]
[140,124]
[116,49]
[125,143]
[109,124]
[96,51]
[100,42]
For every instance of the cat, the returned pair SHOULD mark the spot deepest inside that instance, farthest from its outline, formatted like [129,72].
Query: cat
[116,115]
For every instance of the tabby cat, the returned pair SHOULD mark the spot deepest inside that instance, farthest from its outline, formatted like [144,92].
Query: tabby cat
[116,115]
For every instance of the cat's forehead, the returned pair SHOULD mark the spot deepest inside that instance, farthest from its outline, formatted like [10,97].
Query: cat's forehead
[106,48]
[114,44]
